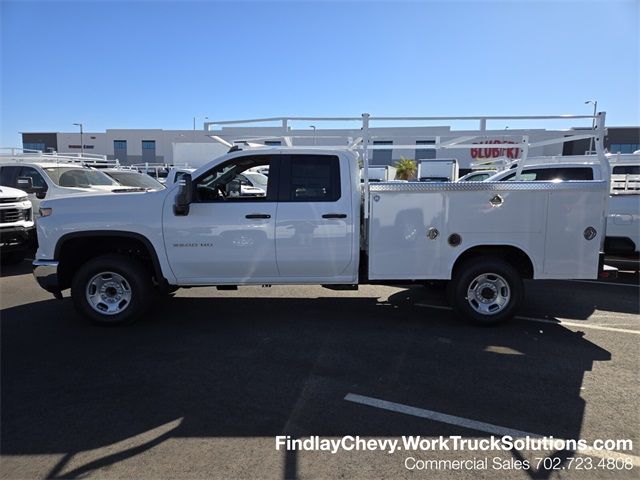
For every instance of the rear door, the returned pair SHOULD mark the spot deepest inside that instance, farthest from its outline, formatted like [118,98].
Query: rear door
[314,224]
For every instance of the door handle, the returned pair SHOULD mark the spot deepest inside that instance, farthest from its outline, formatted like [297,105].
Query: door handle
[257,215]
[334,215]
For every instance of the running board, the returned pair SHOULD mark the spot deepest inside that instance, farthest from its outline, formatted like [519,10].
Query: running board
[341,287]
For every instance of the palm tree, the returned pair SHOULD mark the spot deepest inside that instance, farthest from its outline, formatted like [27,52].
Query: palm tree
[406,169]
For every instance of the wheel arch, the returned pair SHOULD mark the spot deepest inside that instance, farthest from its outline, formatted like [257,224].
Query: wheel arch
[75,248]
[512,254]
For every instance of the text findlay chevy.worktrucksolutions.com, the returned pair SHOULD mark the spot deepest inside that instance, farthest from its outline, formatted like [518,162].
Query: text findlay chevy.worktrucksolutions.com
[446,443]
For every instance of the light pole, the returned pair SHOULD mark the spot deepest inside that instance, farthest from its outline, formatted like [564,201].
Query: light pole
[81,140]
[314,133]
[194,126]
[593,121]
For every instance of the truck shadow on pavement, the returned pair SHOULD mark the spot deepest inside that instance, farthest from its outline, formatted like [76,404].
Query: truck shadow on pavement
[552,299]
[261,367]
[22,268]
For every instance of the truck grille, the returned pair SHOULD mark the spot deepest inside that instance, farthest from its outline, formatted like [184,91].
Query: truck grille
[11,215]
[9,200]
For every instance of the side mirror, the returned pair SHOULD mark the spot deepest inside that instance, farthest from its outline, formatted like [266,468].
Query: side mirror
[26,184]
[184,197]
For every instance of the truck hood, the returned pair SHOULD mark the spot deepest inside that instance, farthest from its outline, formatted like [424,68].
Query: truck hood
[8,192]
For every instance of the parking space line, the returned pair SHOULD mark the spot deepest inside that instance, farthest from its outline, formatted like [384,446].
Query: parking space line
[605,283]
[437,416]
[471,424]
[562,321]
[559,321]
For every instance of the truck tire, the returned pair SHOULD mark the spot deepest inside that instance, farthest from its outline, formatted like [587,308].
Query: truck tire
[486,290]
[112,289]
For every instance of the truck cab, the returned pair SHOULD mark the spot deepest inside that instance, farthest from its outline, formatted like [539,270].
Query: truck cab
[302,229]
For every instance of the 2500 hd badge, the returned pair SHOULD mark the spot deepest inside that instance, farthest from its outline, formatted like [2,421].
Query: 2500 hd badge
[192,245]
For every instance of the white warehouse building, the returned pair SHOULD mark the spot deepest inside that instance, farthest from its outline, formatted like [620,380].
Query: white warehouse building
[131,146]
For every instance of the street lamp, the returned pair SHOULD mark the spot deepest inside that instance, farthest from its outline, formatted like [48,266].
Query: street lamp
[593,121]
[194,126]
[314,133]
[81,141]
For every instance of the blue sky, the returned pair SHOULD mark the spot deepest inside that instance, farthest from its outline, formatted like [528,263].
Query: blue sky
[157,64]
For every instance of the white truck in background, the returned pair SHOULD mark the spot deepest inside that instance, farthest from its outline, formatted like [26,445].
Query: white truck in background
[52,175]
[381,174]
[623,219]
[622,240]
[318,224]
[17,230]
[438,170]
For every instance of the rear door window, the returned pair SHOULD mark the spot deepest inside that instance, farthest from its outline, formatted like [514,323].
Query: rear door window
[311,178]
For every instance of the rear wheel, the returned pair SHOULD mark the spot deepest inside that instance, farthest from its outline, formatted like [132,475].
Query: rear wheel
[112,289]
[486,290]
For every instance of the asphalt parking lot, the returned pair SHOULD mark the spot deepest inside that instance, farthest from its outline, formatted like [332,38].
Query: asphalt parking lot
[202,386]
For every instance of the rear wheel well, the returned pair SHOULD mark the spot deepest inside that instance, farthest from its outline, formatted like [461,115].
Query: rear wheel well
[510,254]
[75,251]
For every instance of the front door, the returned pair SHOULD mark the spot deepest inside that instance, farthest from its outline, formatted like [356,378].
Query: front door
[229,234]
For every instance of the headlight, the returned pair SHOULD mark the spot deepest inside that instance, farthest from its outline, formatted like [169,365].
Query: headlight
[22,199]
[45,212]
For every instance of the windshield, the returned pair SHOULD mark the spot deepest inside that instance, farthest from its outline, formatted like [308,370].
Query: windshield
[135,179]
[78,177]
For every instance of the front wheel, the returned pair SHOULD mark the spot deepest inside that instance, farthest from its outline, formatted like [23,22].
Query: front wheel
[112,289]
[486,290]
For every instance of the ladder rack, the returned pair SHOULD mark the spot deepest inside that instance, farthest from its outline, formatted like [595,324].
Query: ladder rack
[363,134]
[24,155]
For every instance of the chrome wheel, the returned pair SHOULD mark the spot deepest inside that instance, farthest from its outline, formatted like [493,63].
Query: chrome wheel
[488,294]
[108,293]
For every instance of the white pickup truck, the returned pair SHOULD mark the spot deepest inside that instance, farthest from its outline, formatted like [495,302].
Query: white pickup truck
[17,231]
[112,250]
[317,224]
[48,176]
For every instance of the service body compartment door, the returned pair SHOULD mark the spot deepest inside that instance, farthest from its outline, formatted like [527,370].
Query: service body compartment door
[575,230]
[315,221]
[398,243]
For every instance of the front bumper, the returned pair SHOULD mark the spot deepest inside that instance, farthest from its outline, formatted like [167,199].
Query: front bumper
[17,238]
[46,274]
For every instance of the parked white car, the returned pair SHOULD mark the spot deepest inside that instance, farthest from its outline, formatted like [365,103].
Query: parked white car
[565,171]
[17,230]
[477,176]
[133,179]
[47,180]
